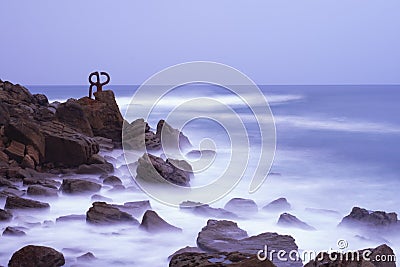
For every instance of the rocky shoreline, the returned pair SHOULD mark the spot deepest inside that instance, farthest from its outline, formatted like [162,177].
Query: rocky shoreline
[43,146]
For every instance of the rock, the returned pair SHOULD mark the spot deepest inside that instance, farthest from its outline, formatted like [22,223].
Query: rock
[43,182]
[207,211]
[226,236]
[186,250]
[11,192]
[16,151]
[155,170]
[323,212]
[27,162]
[104,115]
[5,215]
[36,256]
[72,114]
[135,208]
[112,180]
[72,217]
[97,197]
[222,259]
[153,223]
[33,153]
[241,206]
[13,231]
[117,188]
[278,205]
[288,220]
[41,99]
[78,186]
[366,258]
[86,257]
[137,136]
[5,183]
[23,203]
[104,143]
[369,219]
[4,114]
[201,153]
[171,138]
[95,168]
[3,156]
[38,190]
[103,213]
[97,159]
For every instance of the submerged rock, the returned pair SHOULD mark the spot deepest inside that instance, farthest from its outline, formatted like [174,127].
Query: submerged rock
[13,231]
[86,257]
[38,190]
[135,208]
[78,186]
[5,215]
[241,206]
[36,256]
[103,213]
[95,168]
[363,218]
[153,223]
[288,220]
[207,211]
[278,205]
[112,180]
[23,203]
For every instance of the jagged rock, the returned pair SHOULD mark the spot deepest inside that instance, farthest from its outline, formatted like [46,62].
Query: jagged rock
[72,217]
[373,258]
[103,213]
[104,115]
[207,211]
[288,220]
[5,215]
[16,151]
[36,256]
[41,99]
[13,231]
[23,203]
[72,114]
[278,205]
[95,168]
[222,259]
[363,218]
[135,208]
[43,182]
[78,186]
[199,153]
[112,180]
[38,190]
[170,137]
[226,236]
[154,169]
[241,206]
[153,223]
[137,136]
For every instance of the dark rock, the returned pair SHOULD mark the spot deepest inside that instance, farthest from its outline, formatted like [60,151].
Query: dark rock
[36,256]
[43,182]
[103,213]
[3,156]
[23,203]
[41,99]
[104,115]
[155,170]
[288,220]
[97,197]
[97,159]
[186,250]
[374,257]
[95,169]
[5,183]
[28,162]
[241,206]
[78,186]
[226,236]
[72,114]
[86,257]
[222,259]
[13,231]
[72,217]
[373,219]
[278,205]
[38,190]
[104,143]
[135,208]
[5,215]
[16,151]
[153,223]
[112,180]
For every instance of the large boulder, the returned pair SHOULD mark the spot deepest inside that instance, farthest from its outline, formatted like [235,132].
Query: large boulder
[226,236]
[103,213]
[153,223]
[363,218]
[382,256]
[36,256]
[79,186]
[104,115]
[72,114]
[14,202]
[288,220]
[154,169]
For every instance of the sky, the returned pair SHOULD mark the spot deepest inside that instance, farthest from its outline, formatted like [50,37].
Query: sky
[47,42]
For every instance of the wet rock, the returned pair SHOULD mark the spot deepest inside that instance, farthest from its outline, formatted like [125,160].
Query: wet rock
[38,190]
[95,168]
[288,220]
[104,115]
[72,114]
[155,170]
[36,256]
[5,215]
[97,197]
[86,257]
[23,203]
[11,192]
[207,211]
[363,218]
[70,218]
[97,159]
[43,182]
[112,180]
[226,236]
[13,231]
[278,205]
[241,206]
[16,151]
[78,186]
[373,259]
[222,259]
[103,213]
[153,223]
[135,208]
[5,183]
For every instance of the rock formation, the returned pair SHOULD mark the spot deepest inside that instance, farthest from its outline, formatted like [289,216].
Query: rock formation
[35,256]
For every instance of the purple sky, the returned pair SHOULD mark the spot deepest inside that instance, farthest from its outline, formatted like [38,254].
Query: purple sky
[273,42]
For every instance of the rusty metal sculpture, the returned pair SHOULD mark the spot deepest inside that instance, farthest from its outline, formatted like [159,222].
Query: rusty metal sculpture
[99,85]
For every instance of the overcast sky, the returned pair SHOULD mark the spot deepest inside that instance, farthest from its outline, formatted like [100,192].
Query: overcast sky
[273,42]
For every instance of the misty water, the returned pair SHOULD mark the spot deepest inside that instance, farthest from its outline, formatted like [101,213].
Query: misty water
[337,147]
